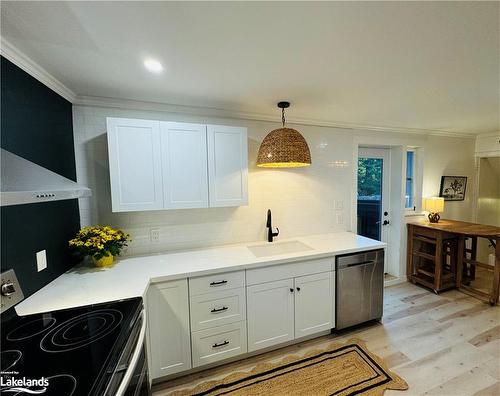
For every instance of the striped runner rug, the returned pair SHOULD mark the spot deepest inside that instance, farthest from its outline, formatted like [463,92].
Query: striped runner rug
[339,369]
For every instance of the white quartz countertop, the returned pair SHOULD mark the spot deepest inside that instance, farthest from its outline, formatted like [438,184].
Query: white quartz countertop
[130,277]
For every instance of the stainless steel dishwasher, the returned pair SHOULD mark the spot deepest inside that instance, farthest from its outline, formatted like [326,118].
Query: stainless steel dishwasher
[359,287]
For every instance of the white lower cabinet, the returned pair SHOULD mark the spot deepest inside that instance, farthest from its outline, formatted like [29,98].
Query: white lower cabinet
[314,303]
[270,314]
[168,321]
[218,343]
[283,310]
[208,319]
[218,308]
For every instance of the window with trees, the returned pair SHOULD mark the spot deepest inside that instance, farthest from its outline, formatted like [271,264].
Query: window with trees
[410,180]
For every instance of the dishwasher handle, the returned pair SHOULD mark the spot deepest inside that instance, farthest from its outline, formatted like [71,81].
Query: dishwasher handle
[358,264]
[371,257]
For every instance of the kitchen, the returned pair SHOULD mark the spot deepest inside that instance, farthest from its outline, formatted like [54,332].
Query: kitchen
[237,263]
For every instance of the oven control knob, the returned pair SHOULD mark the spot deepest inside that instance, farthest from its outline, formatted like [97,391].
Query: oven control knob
[8,289]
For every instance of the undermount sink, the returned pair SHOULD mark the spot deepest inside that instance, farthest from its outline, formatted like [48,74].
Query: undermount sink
[272,249]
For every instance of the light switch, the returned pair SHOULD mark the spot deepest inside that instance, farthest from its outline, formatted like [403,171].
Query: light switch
[339,205]
[41,260]
[340,218]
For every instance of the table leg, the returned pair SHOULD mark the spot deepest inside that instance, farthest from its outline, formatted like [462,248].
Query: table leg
[496,275]
[409,254]
[460,259]
[473,256]
[438,263]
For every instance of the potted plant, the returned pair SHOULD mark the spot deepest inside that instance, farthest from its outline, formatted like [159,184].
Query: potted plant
[101,243]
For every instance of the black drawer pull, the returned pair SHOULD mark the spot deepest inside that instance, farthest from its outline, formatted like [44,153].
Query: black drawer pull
[222,282]
[221,344]
[215,310]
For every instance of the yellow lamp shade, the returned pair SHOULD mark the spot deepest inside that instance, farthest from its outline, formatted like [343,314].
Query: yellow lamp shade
[433,204]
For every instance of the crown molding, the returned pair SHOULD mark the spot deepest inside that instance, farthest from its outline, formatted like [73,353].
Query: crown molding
[489,134]
[21,60]
[242,115]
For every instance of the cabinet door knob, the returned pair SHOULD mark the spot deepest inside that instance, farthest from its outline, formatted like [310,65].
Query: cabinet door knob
[291,290]
[298,288]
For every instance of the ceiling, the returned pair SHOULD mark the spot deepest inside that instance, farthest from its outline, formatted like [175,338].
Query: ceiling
[430,66]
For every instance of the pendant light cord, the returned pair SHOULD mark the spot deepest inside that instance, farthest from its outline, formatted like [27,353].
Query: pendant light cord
[283,116]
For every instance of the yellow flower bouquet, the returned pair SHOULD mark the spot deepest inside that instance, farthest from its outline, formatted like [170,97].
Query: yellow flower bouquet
[99,242]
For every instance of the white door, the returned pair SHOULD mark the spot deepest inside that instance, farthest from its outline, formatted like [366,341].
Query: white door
[184,161]
[227,165]
[168,326]
[374,209]
[270,314]
[134,164]
[314,303]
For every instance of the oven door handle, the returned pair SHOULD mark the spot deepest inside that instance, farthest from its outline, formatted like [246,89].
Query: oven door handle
[135,357]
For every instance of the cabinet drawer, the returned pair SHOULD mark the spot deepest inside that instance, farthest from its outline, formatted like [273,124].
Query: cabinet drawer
[291,270]
[217,282]
[218,343]
[217,308]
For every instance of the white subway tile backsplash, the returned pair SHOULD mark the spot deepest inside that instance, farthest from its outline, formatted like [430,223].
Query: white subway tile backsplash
[301,199]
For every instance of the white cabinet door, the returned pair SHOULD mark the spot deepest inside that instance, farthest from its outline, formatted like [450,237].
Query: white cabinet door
[184,160]
[227,165]
[270,314]
[168,326]
[314,303]
[134,164]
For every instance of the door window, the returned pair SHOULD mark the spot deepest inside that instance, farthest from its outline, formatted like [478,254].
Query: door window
[370,175]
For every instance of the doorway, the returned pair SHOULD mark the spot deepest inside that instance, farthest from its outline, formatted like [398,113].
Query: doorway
[488,212]
[373,198]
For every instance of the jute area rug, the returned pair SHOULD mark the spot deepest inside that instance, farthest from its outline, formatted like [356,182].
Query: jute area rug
[339,369]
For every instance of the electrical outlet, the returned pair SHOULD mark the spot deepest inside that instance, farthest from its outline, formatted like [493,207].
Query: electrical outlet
[41,260]
[339,205]
[154,235]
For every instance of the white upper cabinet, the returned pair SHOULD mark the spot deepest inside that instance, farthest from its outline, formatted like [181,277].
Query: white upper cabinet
[173,165]
[184,160]
[134,164]
[227,165]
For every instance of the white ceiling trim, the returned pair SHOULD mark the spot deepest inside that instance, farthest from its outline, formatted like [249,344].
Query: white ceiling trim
[21,60]
[225,113]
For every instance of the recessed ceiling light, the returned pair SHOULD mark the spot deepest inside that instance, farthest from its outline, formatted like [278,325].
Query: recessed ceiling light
[153,65]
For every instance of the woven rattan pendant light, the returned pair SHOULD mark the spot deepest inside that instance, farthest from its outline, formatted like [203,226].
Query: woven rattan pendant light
[284,147]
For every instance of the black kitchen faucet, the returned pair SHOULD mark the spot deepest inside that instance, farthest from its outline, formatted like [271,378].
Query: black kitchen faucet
[269,225]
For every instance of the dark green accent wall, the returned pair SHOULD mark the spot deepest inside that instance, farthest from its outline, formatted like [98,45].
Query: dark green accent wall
[36,123]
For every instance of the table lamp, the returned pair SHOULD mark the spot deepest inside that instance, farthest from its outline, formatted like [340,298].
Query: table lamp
[433,205]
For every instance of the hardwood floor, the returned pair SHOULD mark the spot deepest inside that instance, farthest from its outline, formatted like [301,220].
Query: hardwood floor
[447,344]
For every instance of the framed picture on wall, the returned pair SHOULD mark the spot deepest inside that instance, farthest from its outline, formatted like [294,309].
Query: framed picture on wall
[453,188]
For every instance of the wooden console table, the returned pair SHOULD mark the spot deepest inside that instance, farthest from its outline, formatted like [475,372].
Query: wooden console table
[437,256]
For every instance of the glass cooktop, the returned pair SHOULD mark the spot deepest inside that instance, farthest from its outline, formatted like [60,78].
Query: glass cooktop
[66,353]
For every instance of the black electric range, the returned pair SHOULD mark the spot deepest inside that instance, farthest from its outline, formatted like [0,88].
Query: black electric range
[69,352]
